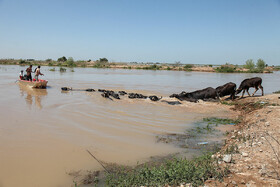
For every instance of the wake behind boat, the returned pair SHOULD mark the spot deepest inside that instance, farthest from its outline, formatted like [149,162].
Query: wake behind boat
[34,84]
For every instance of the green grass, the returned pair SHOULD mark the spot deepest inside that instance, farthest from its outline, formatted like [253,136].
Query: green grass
[53,69]
[223,121]
[228,103]
[173,172]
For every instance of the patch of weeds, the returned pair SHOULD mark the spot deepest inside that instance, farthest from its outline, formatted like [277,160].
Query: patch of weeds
[228,103]
[232,149]
[277,92]
[250,106]
[224,121]
[61,69]
[53,69]
[172,172]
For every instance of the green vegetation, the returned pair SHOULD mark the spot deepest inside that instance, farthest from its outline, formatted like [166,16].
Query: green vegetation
[249,64]
[277,92]
[261,64]
[152,67]
[226,69]
[53,69]
[223,121]
[228,103]
[188,67]
[232,149]
[173,172]
[62,59]
[61,69]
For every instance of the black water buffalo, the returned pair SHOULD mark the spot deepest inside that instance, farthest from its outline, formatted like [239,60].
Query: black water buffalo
[122,93]
[155,98]
[136,96]
[205,94]
[108,93]
[227,89]
[255,82]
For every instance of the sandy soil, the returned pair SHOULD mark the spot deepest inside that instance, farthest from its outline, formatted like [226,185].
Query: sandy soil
[255,159]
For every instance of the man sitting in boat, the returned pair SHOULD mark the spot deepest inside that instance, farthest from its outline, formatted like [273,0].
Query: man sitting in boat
[28,72]
[21,76]
[37,73]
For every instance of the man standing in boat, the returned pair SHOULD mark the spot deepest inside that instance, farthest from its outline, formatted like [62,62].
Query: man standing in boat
[28,73]
[37,73]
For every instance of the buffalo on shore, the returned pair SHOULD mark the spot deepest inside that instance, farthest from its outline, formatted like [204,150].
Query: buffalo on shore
[255,82]
[227,89]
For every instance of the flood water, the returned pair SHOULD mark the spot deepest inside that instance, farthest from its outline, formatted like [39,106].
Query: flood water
[44,133]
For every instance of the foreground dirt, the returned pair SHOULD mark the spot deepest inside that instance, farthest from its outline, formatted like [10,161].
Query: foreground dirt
[252,151]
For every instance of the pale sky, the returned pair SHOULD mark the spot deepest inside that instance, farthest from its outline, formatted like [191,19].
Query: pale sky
[190,31]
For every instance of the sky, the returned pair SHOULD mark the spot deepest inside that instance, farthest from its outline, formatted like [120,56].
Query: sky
[189,31]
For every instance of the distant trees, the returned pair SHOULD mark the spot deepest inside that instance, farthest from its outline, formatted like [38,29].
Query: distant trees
[103,60]
[255,68]
[62,59]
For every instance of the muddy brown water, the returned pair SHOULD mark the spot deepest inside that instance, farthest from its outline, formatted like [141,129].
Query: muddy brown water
[44,134]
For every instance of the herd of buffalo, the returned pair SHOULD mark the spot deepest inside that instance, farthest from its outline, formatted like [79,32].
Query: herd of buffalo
[206,94]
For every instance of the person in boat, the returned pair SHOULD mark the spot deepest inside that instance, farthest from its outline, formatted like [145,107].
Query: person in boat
[21,76]
[37,73]
[28,73]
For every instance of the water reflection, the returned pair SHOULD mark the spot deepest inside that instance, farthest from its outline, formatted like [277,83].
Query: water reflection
[32,95]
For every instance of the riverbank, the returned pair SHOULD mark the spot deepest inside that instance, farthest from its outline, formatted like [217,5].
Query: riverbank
[249,157]
[227,68]
[252,151]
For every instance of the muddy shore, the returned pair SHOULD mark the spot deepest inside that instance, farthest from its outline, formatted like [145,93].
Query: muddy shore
[252,150]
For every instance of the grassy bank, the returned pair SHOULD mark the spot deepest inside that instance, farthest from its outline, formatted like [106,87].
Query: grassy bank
[172,172]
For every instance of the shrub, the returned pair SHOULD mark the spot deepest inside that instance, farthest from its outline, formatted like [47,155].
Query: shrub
[61,69]
[188,66]
[225,69]
[261,64]
[249,64]
[70,62]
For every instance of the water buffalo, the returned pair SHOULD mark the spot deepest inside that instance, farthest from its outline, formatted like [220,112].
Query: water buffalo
[205,94]
[255,82]
[136,96]
[155,98]
[122,93]
[227,89]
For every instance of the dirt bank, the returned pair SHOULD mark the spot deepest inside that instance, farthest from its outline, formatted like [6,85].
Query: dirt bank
[252,150]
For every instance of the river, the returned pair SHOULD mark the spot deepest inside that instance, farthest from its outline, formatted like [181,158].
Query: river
[44,133]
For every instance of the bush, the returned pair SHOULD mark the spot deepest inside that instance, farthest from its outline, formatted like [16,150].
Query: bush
[22,62]
[261,64]
[225,69]
[70,62]
[188,66]
[249,64]
[61,69]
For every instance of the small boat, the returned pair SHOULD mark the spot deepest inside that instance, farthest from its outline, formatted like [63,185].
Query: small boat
[34,84]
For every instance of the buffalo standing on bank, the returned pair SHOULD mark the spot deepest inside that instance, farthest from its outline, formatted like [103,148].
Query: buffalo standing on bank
[255,82]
